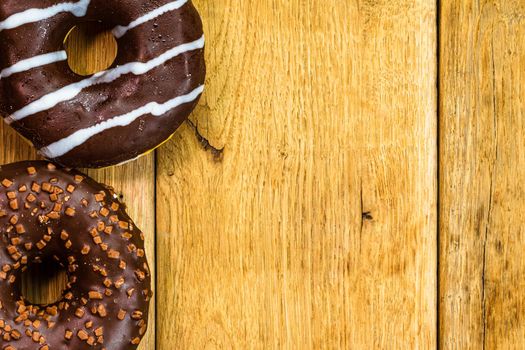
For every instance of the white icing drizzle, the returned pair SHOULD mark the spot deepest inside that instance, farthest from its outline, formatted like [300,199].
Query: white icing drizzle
[34,62]
[76,139]
[70,91]
[120,31]
[78,9]
[131,160]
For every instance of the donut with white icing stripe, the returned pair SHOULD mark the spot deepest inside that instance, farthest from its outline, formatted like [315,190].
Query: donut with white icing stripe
[112,116]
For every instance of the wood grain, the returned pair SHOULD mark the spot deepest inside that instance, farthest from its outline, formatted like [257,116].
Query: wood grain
[297,209]
[89,53]
[482,174]
[302,213]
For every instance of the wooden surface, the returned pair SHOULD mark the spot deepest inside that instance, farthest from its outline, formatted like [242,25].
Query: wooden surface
[302,207]
[482,217]
[315,226]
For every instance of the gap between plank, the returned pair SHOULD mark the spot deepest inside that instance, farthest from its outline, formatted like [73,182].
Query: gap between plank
[438,168]
[155,159]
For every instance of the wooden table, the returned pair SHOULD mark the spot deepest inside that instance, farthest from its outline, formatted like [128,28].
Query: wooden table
[352,178]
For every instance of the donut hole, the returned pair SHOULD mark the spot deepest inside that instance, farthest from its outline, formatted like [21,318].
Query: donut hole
[91,48]
[44,283]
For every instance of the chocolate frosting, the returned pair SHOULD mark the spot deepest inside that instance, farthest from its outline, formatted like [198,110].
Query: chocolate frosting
[48,213]
[163,25]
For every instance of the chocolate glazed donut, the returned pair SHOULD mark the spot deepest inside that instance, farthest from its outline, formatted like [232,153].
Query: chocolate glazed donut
[48,213]
[112,116]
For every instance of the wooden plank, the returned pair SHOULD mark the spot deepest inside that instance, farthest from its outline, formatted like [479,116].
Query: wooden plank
[482,174]
[315,226]
[134,181]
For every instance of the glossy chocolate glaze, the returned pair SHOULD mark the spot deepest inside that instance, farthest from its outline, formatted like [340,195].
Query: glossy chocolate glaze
[99,103]
[49,213]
